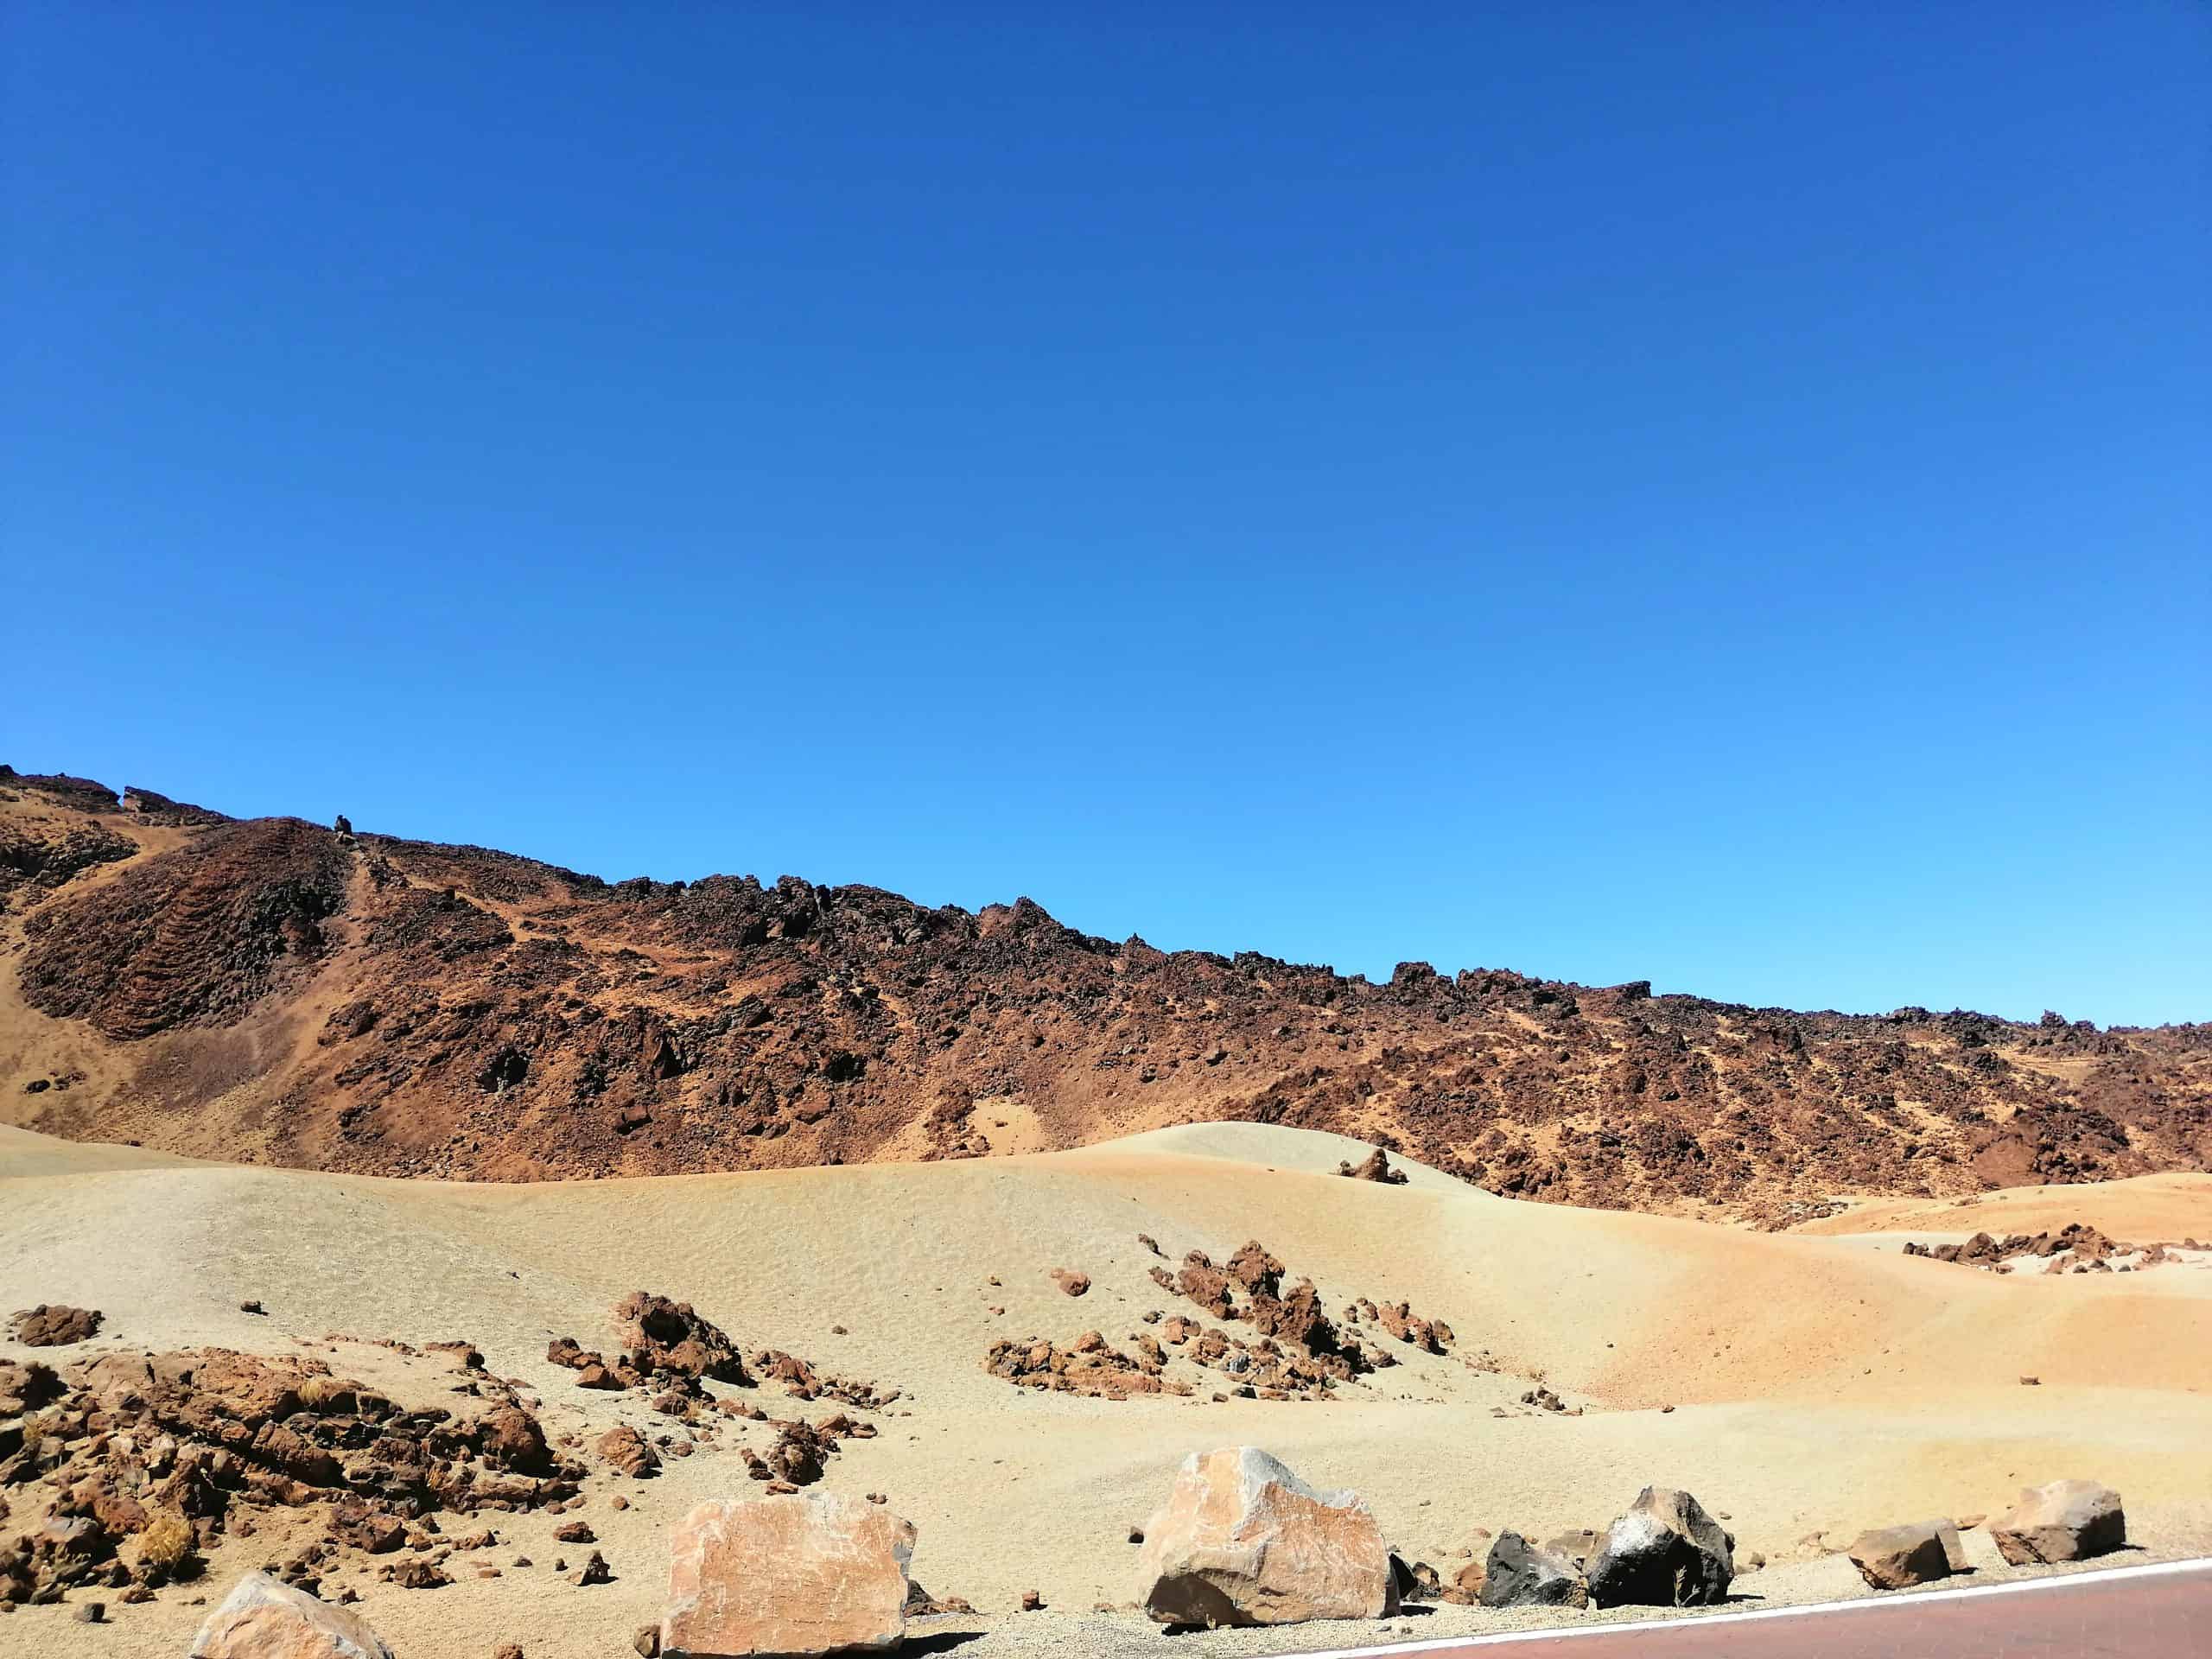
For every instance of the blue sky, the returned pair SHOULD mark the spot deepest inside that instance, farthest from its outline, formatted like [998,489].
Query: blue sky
[1718,494]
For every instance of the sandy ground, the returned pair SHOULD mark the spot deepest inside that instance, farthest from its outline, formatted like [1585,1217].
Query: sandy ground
[2148,1209]
[1816,1384]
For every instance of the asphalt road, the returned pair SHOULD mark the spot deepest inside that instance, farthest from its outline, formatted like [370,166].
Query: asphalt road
[2159,1613]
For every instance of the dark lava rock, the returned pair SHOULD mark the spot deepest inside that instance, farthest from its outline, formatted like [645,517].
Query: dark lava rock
[1665,1552]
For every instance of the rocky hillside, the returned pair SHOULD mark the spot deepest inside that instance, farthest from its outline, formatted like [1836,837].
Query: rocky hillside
[276,990]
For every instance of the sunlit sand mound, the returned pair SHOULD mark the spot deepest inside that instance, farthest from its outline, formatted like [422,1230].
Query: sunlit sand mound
[2147,1207]
[1796,1383]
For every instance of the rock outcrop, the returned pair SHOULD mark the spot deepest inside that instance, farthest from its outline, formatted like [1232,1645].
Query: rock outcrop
[486,1016]
[262,1618]
[665,1344]
[818,1573]
[1242,1540]
[1665,1552]
[54,1325]
[1375,1167]
[624,1449]
[1088,1366]
[2066,1520]
[191,1444]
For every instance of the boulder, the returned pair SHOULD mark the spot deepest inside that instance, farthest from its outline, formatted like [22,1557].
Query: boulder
[1665,1552]
[811,1573]
[667,1338]
[1242,1540]
[55,1326]
[1520,1574]
[2066,1520]
[625,1449]
[1375,1167]
[510,1437]
[262,1618]
[1889,1558]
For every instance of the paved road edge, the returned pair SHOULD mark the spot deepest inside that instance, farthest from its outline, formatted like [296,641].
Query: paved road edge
[1855,1604]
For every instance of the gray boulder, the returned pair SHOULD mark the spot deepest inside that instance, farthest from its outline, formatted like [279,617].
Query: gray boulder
[1665,1552]
[1523,1574]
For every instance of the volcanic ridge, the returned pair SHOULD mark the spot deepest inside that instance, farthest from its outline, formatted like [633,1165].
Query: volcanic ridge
[276,990]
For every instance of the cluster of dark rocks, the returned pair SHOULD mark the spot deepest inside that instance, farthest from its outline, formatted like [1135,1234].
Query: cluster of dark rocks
[1663,1551]
[667,1347]
[1296,1351]
[2078,1246]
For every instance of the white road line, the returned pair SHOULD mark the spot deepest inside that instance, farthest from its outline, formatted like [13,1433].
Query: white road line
[1701,1621]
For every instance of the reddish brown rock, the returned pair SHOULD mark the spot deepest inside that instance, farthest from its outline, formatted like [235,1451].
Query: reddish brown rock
[1891,1558]
[2066,1520]
[625,1449]
[510,1437]
[451,958]
[665,1338]
[54,1325]
[1088,1367]
[262,1618]
[818,1573]
[1242,1540]
[1375,1167]
[1074,1283]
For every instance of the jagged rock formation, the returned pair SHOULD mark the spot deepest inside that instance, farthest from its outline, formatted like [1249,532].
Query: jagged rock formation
[273,989]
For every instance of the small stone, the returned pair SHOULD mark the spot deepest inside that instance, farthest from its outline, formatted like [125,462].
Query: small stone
[1032,1602]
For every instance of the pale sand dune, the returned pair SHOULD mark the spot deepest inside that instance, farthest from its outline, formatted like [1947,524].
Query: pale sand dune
[1819,1385]
[2145,1209]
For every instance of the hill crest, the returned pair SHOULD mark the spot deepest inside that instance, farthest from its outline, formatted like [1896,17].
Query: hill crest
[272,989]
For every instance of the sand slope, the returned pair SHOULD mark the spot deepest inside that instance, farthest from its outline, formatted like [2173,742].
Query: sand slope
[2143,1210]
[1816,1383]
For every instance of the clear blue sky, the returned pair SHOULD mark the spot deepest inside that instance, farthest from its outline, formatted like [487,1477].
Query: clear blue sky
[1715,493]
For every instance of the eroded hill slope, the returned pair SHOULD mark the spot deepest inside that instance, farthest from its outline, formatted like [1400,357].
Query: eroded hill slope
[273,989]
